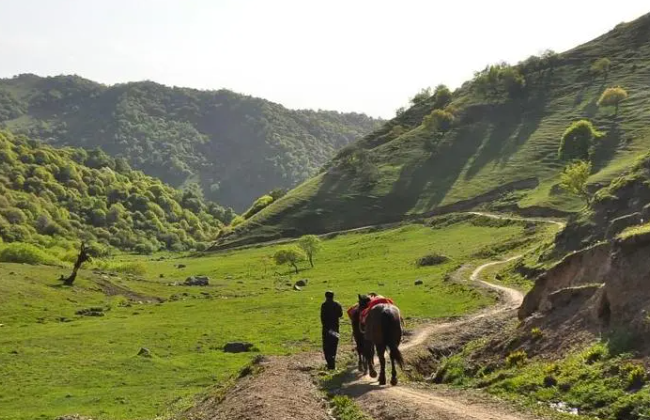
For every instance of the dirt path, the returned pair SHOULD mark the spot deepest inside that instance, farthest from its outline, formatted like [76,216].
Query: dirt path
[406,402]
[284,387]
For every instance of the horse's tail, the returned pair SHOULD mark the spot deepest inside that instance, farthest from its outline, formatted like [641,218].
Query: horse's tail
[392,330]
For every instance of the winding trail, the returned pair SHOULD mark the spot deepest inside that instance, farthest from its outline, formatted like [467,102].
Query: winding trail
[406,402]
[284,389]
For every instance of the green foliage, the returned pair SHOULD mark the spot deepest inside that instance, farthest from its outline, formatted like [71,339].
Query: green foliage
[26,254]
[421,96]
[601,67]
[439,120]
[346,409]
[536,333]
[516,358]
[291,255]
[311,245]
[258,205]
[577,140]
[613,96]
[441,97]
[181,135]
[574,179]
[137,268]
[76,195]
[499,79]
[634,374]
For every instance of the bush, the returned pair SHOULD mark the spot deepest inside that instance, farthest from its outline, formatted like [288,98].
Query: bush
[144,249]
[634,375]
[259,204]
[516,358]
[536,333]
[577,140]
[26,254]
[439,121]
[613,97]
[431,259]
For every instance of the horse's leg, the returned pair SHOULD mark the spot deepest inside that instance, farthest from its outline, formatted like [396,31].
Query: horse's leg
[381,352]
[393,377]
[369,348]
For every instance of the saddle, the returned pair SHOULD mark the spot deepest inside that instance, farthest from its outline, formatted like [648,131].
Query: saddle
[379,300]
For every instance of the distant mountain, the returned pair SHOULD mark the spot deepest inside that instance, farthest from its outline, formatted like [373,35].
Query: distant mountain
[236,147]
[56,197]
[496,138]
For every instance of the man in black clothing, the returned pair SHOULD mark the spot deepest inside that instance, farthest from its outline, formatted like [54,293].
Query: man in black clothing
[330,312]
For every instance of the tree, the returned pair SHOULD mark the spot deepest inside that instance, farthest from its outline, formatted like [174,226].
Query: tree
[577,140]
[601,66]
[311,245]
[421,96]
[439,120]
[441,97]
[613,96]
[574,179]
[81,258]
[291,255]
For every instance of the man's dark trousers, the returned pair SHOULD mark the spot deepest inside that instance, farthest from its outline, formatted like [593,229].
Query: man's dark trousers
[330,345]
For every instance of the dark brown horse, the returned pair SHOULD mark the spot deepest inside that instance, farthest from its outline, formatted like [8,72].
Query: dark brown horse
[382,330]
[359,340]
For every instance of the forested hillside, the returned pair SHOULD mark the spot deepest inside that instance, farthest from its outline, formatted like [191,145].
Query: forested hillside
[512,127]
[236,147]
[56,197]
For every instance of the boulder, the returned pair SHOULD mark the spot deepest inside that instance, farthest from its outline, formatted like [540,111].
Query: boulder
[180,266]
[418,282]
[144,352]
[297,288]
[302,282]
[197,281]
[237,347]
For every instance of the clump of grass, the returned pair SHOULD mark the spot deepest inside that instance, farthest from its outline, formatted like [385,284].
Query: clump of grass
[596,353]
[431,259]
[27,254]
[516,358]
[136,268]
[346,409]
[536,333]
[634,375]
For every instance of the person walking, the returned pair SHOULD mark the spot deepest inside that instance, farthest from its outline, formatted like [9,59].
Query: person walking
[330,312]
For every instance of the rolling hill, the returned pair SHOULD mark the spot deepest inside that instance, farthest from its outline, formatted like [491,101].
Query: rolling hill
[236,147]
[496,137]
[56,197]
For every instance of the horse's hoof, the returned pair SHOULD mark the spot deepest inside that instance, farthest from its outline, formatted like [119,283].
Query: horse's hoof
[393,381]
[373,374]
[382,381]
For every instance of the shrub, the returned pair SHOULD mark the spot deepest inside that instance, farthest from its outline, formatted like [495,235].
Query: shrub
[536,333]
[577,140]
[574,180]
[601,66]
[439,121]
[613,97]
[596,353]
[27,254]
[516,358]
[634,375]
[431,259]
[144,249]
[259,204]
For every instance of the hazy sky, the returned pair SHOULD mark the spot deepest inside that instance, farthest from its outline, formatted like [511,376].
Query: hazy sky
[348,55]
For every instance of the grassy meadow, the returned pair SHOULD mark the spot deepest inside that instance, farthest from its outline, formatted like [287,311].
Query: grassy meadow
[55,362]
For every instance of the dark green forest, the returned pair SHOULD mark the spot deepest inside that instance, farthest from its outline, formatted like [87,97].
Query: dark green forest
[235,147]
[60,196]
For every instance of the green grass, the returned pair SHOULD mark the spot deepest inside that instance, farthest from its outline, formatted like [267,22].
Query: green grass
[494,142]
[56,362]
[346,409]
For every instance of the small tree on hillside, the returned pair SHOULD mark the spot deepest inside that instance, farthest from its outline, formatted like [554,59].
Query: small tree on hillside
[291,255]
[421,96]
[577,140]
[601,66]
[441,97]
[613,97]
[311,245]
[439,121]
[574,180]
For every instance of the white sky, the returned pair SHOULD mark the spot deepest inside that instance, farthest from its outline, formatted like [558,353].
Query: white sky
[347,55]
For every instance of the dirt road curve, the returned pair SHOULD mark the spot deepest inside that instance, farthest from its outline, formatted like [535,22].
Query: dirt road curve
[284,388]
[404,402]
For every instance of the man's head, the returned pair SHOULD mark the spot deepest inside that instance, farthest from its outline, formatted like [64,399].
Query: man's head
[329,295]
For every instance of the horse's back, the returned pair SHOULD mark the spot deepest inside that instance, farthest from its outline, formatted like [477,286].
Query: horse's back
[379,318]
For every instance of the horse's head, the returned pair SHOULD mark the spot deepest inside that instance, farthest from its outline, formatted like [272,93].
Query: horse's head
[364,300]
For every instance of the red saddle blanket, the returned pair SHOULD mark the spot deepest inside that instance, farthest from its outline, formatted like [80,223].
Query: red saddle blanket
[372,304]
